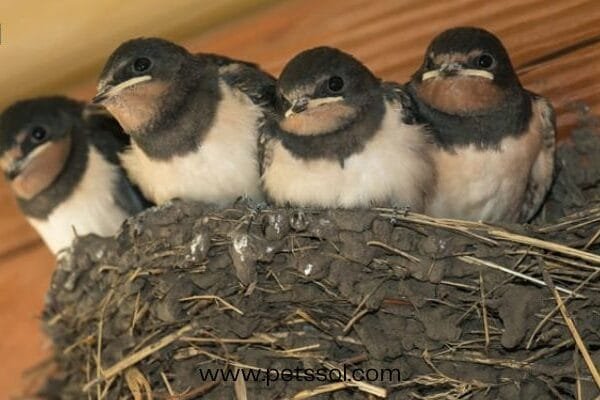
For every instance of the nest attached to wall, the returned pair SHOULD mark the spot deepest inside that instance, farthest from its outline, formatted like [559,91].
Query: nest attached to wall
[453,309]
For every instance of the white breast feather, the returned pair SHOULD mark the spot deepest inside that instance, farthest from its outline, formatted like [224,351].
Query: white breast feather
[90,208]
[391,169]
[224,168]
[483,185]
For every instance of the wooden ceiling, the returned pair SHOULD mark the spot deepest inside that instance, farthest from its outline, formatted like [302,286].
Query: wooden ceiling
[49,45]
[59,47]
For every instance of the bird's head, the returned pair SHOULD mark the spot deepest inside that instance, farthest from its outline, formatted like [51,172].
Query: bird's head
[35,142]
[465,71]
[322,90]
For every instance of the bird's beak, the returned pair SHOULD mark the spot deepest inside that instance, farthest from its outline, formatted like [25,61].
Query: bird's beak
[456,69]
[13,165]
[106,90]
[298,106]
[305,103]
[13,169]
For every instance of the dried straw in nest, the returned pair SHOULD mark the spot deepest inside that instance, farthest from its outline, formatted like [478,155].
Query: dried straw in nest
[451,309]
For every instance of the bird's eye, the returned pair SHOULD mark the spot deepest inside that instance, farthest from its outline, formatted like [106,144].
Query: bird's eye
[38,134]
[484,61]
[335,84]
[142,64]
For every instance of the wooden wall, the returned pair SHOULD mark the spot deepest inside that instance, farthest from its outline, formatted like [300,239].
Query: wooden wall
[554,44]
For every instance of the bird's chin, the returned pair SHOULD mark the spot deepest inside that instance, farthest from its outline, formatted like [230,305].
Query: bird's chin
[132,110]
[460,95]
[136,106]
[320,120]
[39,173]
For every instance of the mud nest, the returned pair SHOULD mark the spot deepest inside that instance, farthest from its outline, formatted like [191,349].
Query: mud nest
[409,306]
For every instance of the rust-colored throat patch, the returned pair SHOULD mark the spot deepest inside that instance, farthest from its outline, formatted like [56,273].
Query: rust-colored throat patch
[460,94]
[46,163]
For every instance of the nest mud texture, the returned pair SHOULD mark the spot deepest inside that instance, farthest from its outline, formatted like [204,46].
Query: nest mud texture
[413,307]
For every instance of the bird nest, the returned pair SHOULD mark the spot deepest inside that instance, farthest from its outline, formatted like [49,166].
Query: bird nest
[266,303]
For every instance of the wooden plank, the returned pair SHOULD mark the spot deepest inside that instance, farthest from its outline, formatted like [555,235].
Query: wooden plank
[47,45]
[24,280]
[15,232]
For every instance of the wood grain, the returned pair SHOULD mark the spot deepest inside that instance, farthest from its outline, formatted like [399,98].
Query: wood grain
[50,44]
[24,280]
[555,45]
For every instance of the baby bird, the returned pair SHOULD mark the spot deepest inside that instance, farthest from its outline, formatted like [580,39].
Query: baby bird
[61,163]
[193,119]
[342,138]
[494,140]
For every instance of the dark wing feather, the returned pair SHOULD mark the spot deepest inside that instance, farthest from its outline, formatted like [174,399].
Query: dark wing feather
[543,170]
[258,85]
[129,197]
[396,93]
[267,137]
[245,76]
[105,132]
